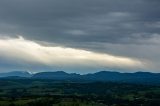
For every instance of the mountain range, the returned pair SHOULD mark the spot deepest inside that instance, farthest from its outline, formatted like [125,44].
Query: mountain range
[137,77]
[16,74]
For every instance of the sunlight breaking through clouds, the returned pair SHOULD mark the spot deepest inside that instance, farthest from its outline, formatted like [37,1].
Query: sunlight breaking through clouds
[30,51]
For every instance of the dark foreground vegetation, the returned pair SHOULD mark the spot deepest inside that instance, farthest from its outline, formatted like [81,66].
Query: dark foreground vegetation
[33,92]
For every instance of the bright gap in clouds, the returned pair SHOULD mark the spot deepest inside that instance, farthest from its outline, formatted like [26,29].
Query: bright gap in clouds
[30,51]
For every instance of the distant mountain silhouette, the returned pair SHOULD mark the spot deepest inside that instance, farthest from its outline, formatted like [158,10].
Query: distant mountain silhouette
[137,77]
[16,73]
[59,75]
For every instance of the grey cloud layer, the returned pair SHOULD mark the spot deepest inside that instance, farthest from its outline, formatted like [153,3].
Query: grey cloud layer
[112,21]
[119,27]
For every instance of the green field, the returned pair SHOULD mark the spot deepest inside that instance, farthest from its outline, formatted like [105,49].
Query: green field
[29,92]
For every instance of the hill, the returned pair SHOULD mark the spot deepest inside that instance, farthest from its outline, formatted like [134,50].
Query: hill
[16,73]
[102,76]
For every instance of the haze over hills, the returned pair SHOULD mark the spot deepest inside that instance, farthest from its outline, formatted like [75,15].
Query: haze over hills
[16,73]
[137,77]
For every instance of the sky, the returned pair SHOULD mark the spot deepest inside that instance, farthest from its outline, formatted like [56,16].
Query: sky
[80,36]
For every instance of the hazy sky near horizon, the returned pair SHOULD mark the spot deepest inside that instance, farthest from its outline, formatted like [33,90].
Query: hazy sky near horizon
[80,35]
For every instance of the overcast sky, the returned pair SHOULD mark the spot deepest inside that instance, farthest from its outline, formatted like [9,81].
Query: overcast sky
[80,35]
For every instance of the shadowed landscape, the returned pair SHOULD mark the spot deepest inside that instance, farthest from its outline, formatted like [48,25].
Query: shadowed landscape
[63,89]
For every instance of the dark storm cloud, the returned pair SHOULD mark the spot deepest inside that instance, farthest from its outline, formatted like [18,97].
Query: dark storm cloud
[112,21]
[107,26]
